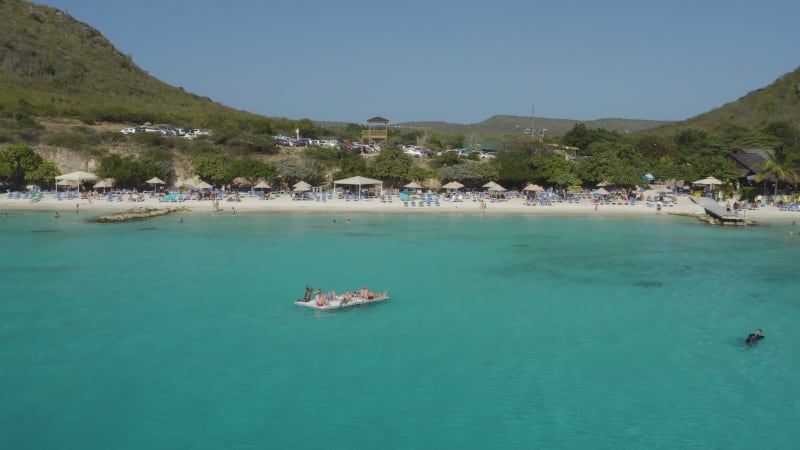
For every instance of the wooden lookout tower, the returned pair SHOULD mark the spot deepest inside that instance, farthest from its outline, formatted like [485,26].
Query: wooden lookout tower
[377,131]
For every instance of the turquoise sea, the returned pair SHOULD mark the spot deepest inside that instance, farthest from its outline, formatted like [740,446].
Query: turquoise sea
[501,333]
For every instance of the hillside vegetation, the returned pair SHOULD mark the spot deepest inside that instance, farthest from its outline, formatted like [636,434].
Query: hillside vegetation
[778,102]
[509,125]
[55,66]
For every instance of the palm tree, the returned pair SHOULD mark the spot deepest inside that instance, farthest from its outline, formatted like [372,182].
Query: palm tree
[780,166]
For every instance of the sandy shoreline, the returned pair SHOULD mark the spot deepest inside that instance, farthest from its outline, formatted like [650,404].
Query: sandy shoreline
[768,214]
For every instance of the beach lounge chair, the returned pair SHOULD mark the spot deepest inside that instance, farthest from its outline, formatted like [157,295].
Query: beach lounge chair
[405,203]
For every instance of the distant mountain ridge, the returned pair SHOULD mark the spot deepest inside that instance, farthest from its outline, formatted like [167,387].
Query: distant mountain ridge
[504,125]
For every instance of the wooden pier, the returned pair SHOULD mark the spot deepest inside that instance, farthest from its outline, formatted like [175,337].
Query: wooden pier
[720,214]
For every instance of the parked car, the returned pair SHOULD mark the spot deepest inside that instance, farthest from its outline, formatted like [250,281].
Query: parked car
[128,131]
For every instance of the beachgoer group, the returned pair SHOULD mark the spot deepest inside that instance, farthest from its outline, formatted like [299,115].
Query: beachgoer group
[324,299]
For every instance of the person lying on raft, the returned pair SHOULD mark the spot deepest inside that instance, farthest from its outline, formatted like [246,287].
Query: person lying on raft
[365,294]
[752,338]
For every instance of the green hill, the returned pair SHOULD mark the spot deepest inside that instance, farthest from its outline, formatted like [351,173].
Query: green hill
[778,102]
[508,125]
[52,65]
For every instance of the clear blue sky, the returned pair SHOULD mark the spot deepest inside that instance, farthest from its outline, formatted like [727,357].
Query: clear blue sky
[457,61]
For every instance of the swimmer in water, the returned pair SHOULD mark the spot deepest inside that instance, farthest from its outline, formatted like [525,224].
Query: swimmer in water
[752,338]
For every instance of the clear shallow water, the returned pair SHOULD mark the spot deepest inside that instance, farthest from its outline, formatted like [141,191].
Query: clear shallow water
[502,332]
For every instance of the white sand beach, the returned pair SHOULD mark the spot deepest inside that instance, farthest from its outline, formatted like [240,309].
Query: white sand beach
[339,207]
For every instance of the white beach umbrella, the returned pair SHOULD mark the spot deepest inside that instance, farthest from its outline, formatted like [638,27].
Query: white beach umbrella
[203,185]
[413,185]
[709,181]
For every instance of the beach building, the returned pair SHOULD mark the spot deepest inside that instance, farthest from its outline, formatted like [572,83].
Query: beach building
[377,131]
[748,161]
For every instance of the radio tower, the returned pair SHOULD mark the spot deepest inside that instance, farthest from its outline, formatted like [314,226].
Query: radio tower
[533,117]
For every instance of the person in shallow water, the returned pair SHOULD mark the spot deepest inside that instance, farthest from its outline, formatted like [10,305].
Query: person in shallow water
[752,338]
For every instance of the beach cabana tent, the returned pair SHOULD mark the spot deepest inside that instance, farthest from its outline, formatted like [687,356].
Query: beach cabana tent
[78,176]
[359,181]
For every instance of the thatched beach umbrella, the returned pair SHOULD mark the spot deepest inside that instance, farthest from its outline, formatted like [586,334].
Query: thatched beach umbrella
[490,184]
[453,185]
[104,183]
[301,186]
[413,185]
[262,185]
[601,191]
[242,181]
[203,185]
[533,188]
[154,181]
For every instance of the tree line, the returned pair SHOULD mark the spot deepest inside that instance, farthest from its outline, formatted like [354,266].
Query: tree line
[582,157]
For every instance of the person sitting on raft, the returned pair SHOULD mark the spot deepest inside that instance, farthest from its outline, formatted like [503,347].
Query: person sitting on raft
[752,338]
[320,300]
[307,296]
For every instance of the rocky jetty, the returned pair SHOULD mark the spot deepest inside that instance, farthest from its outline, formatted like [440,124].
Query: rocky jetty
[138,214]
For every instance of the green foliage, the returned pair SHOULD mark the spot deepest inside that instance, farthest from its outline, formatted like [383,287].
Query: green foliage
[780,166]
[582,137]
[16,162]
[291,171]
[128,171]
[251,169]
[211,167]
[417,173]
[618,164]
[392,165]
[515,167]
[44,175]
[555,170]
[76,138]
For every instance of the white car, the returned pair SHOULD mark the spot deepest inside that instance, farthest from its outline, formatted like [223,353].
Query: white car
[412,152]
[128,131]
